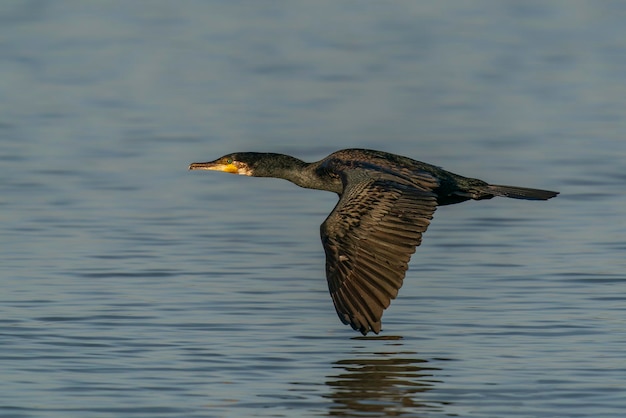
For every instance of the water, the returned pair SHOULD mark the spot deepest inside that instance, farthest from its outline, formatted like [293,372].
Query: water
[132,287]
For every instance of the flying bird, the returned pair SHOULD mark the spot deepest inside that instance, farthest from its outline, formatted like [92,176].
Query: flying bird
[386,202]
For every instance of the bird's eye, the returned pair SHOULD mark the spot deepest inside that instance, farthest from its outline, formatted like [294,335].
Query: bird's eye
[229,161]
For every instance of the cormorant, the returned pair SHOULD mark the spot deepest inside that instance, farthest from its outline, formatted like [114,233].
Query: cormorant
[386,202]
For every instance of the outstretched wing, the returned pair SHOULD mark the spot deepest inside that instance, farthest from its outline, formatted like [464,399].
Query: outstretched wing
[368,239]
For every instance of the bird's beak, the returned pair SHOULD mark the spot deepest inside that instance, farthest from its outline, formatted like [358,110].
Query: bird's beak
[215,166]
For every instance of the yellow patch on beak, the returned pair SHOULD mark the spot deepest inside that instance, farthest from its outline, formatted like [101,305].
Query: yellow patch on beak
[229,168]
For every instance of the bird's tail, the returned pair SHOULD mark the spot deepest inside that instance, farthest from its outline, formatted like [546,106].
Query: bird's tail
[521,192]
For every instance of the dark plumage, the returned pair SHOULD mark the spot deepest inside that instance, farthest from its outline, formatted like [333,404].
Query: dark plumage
[386,202]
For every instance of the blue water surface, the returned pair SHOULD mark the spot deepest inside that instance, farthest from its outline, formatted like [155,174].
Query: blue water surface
[131,287]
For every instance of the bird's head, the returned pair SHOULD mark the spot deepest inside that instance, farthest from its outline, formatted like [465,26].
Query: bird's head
[258,164]
[238,163]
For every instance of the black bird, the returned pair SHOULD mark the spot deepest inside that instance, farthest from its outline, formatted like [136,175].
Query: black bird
[386,202]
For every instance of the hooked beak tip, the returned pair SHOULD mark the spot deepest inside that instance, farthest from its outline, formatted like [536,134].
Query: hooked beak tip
[198,166]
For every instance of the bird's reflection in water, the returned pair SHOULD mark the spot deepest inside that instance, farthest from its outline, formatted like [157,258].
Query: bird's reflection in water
[385,383]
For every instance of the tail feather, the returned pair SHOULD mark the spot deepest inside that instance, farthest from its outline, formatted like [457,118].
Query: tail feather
[521,192]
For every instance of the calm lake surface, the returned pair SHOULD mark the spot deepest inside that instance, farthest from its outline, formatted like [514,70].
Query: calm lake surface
[131,287]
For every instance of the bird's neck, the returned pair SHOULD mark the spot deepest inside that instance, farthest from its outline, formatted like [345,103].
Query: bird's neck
[296,171]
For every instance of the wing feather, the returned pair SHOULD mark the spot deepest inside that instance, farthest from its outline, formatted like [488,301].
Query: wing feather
[368,240]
